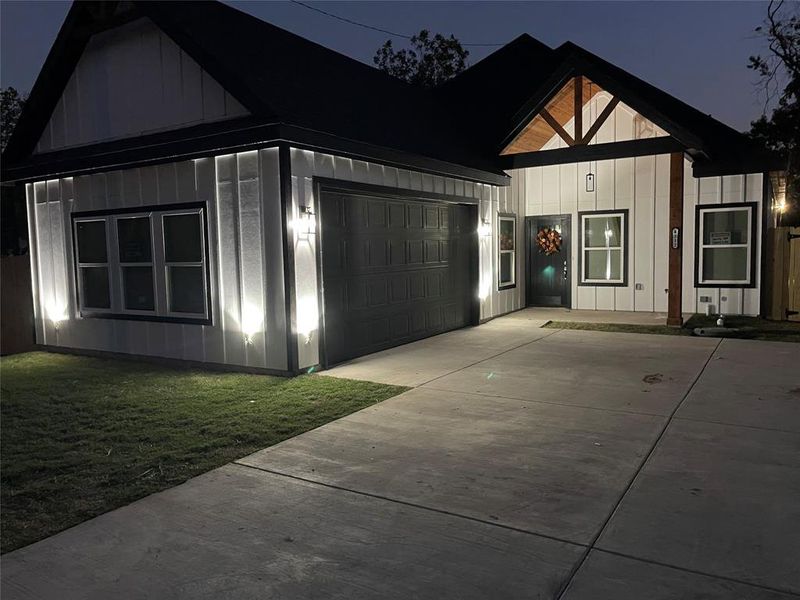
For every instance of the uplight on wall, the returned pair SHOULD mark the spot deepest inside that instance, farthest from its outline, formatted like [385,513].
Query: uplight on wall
[307,317]
[57,312]
[485,228]
[252,320]
[306,223]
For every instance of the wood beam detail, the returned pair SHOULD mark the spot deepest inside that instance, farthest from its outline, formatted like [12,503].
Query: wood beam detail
[578,109]
[601,118]
[550,120]
[675,274]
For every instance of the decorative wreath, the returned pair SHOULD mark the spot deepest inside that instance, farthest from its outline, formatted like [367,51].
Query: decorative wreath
[548,240]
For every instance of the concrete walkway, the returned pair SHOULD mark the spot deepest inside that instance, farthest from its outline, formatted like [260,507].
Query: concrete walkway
[525,463]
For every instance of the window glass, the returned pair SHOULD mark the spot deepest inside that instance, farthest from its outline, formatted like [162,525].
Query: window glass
[92,242]
[603,265]
[725,227]
[183,238]
[506,268]
[602,231]
[94,287]
[725,264]
[506,234]
[186,291]
[137,283]
[134,240]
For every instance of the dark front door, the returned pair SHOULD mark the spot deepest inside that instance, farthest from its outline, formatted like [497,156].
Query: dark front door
[549,280]
[394,270]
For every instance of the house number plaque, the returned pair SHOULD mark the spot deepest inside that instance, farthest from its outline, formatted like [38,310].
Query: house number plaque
[676,236]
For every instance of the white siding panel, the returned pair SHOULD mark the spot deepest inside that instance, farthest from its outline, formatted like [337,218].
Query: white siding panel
[130,81]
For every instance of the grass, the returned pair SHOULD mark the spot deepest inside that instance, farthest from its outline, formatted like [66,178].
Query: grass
[760,329]
[82,436]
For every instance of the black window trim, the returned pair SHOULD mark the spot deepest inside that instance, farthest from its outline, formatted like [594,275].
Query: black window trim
[133,210]
[500,285]
[752,283]
[625,228]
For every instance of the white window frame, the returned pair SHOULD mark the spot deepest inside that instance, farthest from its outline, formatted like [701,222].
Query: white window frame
[202,264]
[157,264]
[607,249]
[750,207]
[79,265]
[505,285]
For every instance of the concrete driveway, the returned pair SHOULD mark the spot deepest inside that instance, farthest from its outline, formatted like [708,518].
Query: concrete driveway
[525,463]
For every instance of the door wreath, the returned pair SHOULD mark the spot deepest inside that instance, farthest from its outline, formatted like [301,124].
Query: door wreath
[548,240]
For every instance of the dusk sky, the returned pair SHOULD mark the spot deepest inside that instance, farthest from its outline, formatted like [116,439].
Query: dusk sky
[697,51]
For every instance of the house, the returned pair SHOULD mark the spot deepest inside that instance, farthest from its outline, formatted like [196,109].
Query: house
[204,186]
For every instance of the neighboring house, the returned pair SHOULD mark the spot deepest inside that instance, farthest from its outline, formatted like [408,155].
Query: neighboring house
[205,186]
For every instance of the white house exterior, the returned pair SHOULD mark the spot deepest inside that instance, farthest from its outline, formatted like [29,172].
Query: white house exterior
[180,208]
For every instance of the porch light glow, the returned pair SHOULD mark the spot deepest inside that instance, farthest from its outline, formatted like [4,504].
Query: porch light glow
[306,223]
[252,319]
[485,228]
[307,316]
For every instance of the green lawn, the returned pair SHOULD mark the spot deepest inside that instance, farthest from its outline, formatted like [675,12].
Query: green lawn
[81,436]
[761,329]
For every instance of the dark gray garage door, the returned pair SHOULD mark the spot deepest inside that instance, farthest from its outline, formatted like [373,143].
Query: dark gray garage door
[394,270]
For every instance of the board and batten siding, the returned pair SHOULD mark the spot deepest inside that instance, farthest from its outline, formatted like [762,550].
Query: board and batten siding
[306,164]
[134,80]
[641,185]
[242,196]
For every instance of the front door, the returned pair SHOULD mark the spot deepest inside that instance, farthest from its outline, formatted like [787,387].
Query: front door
[548,247]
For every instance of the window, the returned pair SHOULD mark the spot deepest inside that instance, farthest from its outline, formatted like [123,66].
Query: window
[507,251]
[603,255]
[148,264]
[92,264]
[184,263]
[725,236]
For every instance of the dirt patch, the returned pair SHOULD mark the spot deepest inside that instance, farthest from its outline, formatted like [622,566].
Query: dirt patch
[653,378]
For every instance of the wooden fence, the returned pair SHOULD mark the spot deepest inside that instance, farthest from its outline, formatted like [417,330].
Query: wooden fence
[783,274]
[16,305]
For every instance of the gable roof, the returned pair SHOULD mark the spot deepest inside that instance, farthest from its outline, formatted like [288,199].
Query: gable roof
[295,88]
[278,76]
[530,73]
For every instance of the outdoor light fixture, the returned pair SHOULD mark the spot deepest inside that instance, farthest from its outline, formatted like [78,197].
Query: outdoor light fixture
[485,228]
[590,182]
[306,224]
[252,320]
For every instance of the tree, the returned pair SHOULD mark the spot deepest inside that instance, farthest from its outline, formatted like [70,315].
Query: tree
[428,62]
[780,68]
[11,103]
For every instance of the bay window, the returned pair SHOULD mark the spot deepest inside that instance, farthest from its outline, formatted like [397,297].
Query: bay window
[148,263]
[725,237]
[603,248]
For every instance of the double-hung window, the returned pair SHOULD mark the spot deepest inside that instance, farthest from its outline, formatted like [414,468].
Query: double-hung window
[725,234]
[148,263]
[507,251]
[603,240]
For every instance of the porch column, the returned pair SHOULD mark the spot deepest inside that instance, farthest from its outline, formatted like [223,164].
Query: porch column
[675,279]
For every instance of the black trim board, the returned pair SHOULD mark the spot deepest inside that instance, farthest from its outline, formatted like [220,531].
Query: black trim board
[625,259]
[589,152]
[754,246]
[101,314]
[355,187]
[289,287]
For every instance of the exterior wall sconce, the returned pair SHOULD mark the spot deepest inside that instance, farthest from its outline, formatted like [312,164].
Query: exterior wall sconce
[485,228]
[306,224]
[590,182]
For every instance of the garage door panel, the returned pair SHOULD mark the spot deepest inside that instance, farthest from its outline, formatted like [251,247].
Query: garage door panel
[394,270]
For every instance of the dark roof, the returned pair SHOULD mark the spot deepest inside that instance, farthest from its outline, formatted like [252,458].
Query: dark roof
[284,79]
[279,77]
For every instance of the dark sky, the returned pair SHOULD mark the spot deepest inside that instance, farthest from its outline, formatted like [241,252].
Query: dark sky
[697,51]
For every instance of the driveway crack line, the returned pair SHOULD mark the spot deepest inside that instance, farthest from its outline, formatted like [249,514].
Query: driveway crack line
[591,545]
